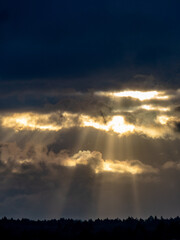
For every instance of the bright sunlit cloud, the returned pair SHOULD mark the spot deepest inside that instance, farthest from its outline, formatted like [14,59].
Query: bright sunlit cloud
[98,164]
[155,108]
[33,121]
[158,127]
[11,153]
[141,95]
[154,118]
[165,119]
[116,124]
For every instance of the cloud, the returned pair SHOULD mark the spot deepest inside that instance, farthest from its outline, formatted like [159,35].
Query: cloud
[33,156]
[37,182]
[70,45]
[172,165]
[95,161]
[150,113]
[177,126]
[85,155]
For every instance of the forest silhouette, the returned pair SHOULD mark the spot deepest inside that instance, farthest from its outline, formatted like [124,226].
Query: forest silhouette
[130,228]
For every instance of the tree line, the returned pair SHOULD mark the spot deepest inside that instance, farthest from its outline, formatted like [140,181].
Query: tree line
[66,229]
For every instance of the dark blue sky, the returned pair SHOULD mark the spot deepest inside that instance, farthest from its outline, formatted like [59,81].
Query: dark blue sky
[71,41]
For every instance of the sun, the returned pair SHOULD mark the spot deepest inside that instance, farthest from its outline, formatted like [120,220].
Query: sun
[118,125]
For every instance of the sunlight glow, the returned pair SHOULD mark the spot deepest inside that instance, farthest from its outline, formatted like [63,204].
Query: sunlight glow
[38,121]
[117,124]
[89,122]
[106,166]
[29,121]
[99,165]
[155,108]
[141,95]
[121,167]
[163,119]
[155,125]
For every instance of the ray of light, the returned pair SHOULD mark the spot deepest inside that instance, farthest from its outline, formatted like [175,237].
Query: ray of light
[109,147]
[82,139]
[97,141]
[135,196]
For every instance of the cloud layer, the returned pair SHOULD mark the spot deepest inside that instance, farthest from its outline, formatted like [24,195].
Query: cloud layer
[92,154]
[152,113]
[83,185]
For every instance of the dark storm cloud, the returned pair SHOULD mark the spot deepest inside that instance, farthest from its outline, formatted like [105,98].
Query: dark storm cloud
[177,126]
[86,103]
[67,39]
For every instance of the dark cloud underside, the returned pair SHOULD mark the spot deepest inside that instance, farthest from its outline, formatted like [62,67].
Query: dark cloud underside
[72,40]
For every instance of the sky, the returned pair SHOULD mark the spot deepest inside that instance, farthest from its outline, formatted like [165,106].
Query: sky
[89,109]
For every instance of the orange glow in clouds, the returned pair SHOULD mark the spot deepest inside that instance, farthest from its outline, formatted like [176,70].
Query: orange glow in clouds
[141,95]
[117,125]
[29,121]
